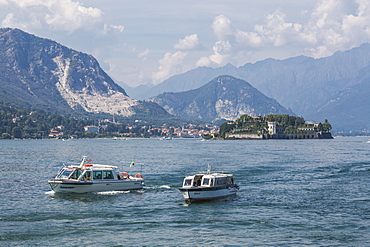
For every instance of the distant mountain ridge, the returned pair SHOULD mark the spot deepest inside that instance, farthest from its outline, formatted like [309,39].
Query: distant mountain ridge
[41,74]
[303,84]
[350,106]
[38,73]
[223,98]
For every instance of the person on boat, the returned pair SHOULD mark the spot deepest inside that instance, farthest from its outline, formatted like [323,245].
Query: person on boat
[87,175]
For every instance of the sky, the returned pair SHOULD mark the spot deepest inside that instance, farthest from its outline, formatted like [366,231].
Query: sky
[144,41]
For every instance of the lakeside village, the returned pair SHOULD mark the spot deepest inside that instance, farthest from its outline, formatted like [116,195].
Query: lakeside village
[246,127]
[150,131]
[22,124]
[18,123]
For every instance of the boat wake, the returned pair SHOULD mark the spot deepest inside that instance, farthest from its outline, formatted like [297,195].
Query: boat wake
[118,192]
[158,187]
[164,187]
[113,192]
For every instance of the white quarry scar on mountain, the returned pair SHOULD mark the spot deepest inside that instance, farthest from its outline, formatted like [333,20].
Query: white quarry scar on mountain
[226,109]
[113,102]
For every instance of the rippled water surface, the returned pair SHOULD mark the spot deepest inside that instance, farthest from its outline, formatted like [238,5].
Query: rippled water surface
[293,192]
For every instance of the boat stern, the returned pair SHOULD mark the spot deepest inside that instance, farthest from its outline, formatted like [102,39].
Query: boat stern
[185,193]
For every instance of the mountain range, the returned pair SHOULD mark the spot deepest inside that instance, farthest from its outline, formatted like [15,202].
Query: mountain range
[317,89]
[223,98]
[38,73]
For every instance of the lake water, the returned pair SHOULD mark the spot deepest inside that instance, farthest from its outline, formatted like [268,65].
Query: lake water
[292,192]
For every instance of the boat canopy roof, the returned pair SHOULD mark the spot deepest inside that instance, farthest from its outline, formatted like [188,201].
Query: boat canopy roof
[211,175]
[90,166]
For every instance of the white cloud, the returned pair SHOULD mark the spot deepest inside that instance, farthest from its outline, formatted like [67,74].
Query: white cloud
[221,55]
[276,31]
[314,28]
[169,65]
[249,39]
[333,25]
[55,15]
[144,55]
[190,42]
[222,27]
[66,15]
[172,63]
[111,28]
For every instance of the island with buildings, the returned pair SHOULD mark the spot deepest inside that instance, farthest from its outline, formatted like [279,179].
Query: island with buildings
[274,127]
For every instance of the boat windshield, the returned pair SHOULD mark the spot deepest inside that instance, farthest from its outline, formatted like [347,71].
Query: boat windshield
[187,182]
[76,174]
[65,173]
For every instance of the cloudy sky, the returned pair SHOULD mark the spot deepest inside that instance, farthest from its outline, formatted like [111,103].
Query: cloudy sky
[146,41]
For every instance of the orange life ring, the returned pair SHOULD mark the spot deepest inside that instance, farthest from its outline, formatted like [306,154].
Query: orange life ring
[139,176]
[124,174]
[87,165]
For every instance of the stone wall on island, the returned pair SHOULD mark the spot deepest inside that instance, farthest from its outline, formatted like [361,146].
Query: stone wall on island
[245,136]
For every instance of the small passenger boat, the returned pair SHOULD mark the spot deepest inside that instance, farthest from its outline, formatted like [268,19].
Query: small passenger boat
[87,177]
[204,186]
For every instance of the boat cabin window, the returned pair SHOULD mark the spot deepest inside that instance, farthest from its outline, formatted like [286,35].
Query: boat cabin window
[221,181]
[187,182]
[65,173]
[76,174]
[208,181]
[108,175]
[197,180]
[97,174]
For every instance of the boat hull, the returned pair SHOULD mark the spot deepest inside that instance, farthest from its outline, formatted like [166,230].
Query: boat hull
[62,186]
[207,194]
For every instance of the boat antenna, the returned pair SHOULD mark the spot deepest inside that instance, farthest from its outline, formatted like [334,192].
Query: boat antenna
[209,169]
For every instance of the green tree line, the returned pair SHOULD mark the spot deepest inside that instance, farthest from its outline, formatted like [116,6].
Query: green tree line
[25,124]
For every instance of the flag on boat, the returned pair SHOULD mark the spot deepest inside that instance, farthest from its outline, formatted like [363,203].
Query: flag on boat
[132,163]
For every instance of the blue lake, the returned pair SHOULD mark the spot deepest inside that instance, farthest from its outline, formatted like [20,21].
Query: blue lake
[292,192]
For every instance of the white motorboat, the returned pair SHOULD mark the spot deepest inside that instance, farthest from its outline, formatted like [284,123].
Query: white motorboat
[87,177]
[204,186]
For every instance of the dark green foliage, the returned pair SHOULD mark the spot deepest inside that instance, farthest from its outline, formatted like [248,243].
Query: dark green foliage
[17,123]
[286,120]
[226,128]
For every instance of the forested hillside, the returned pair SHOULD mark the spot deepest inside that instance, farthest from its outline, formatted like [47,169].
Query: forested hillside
[17,123]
